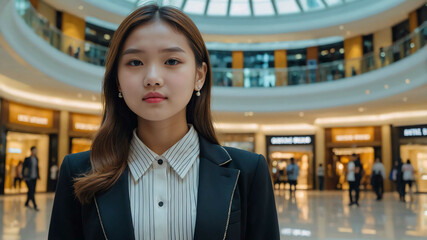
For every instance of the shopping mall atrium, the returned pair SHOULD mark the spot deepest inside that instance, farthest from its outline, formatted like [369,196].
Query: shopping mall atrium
[316,81]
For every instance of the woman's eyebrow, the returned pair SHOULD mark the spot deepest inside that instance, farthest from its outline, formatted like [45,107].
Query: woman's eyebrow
[136,51]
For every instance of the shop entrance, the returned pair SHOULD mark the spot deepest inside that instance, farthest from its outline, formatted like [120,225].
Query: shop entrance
[80,144]
[280,158]
[17,149]
[342,156]
[417,153]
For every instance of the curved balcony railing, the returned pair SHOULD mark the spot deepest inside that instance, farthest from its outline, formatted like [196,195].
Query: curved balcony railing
[79,49]
[247,77]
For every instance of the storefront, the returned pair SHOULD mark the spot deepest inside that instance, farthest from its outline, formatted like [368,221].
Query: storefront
[340,144]
[411,144]
[245,141]
[280,149]
[23,127]
[82,128]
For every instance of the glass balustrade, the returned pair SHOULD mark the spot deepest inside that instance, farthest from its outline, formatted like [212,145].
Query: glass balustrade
[246,77]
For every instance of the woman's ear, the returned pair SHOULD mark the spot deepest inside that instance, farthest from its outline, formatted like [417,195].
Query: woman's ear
[200,76]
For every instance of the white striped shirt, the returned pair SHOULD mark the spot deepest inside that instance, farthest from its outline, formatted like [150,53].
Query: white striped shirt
[163,189]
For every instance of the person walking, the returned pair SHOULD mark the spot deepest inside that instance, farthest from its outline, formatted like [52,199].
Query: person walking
[18,176]
[399,181]
[293,171]
[354,176]
[321,176]
[30,172]
[408,177]
[377,178]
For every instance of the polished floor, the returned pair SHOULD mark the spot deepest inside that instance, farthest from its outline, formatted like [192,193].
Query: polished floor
[306,215]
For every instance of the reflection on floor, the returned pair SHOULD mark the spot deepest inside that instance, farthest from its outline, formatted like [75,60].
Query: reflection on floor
[308,215]
[326,215]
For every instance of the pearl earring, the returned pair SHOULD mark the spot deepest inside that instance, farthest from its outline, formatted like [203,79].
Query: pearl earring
[120,95]
[198,93]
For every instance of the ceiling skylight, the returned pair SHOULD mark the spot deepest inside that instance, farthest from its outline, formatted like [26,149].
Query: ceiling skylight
[287,6]
[311,5]
[217,8]
[263,8]
[241,8]
[195,7]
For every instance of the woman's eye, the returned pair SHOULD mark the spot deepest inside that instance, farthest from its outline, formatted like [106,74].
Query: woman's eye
[172,62]
[135,63]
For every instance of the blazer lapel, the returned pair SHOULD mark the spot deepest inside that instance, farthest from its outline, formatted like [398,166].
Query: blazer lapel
[215,193]
[114,212]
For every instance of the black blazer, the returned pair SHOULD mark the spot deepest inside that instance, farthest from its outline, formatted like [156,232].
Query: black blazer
[27,166]
[235,200]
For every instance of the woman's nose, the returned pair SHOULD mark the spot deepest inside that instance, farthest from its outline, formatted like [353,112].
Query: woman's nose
[153,77]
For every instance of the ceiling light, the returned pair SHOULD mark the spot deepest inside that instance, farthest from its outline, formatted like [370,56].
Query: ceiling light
[301,114]
[341,27]
[412,45]
[386,86]
[342,50]
[249,114]
[81,7]
[298,56]
[93,98]
[79,95]
[361,109]
[288,127]
[107,36]
[405,99]
[236,126]
[407,81]
[368,92]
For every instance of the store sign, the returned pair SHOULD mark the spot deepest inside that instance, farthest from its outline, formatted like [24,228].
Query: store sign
[30,116]
[353,137]
[85,123]
[31,119]
[291,140]
[349,135]
[86,126]
[414,132]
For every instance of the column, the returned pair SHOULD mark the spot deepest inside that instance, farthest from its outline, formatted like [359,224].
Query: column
[386,153]
[280,64]
[353,48]
[63,137]
[237,64]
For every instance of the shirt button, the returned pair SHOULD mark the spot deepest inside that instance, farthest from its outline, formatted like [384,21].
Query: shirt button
[160,161]
[160,204]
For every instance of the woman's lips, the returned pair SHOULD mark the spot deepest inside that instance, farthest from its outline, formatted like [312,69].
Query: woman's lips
[154,97]
[154,100]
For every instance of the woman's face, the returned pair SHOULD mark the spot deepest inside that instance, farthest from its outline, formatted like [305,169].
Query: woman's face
[157,72]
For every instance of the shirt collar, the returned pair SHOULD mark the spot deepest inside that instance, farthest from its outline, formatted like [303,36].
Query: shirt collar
[181,156]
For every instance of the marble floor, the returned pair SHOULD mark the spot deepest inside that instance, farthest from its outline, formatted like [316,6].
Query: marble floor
[307,215]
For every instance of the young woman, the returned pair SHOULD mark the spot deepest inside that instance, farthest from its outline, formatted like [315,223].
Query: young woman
[155,169]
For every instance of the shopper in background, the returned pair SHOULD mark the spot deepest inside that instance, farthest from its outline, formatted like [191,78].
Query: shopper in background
[293,171]
[399,181]
[18,176]
[54,175]
[354,176]
[408,177]
[321,176]
[30,172]
[377,178]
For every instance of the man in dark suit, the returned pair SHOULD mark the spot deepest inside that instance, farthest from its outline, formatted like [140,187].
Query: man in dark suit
[30,172]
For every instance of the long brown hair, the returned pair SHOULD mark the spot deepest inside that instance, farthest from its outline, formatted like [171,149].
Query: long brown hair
[110,147]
